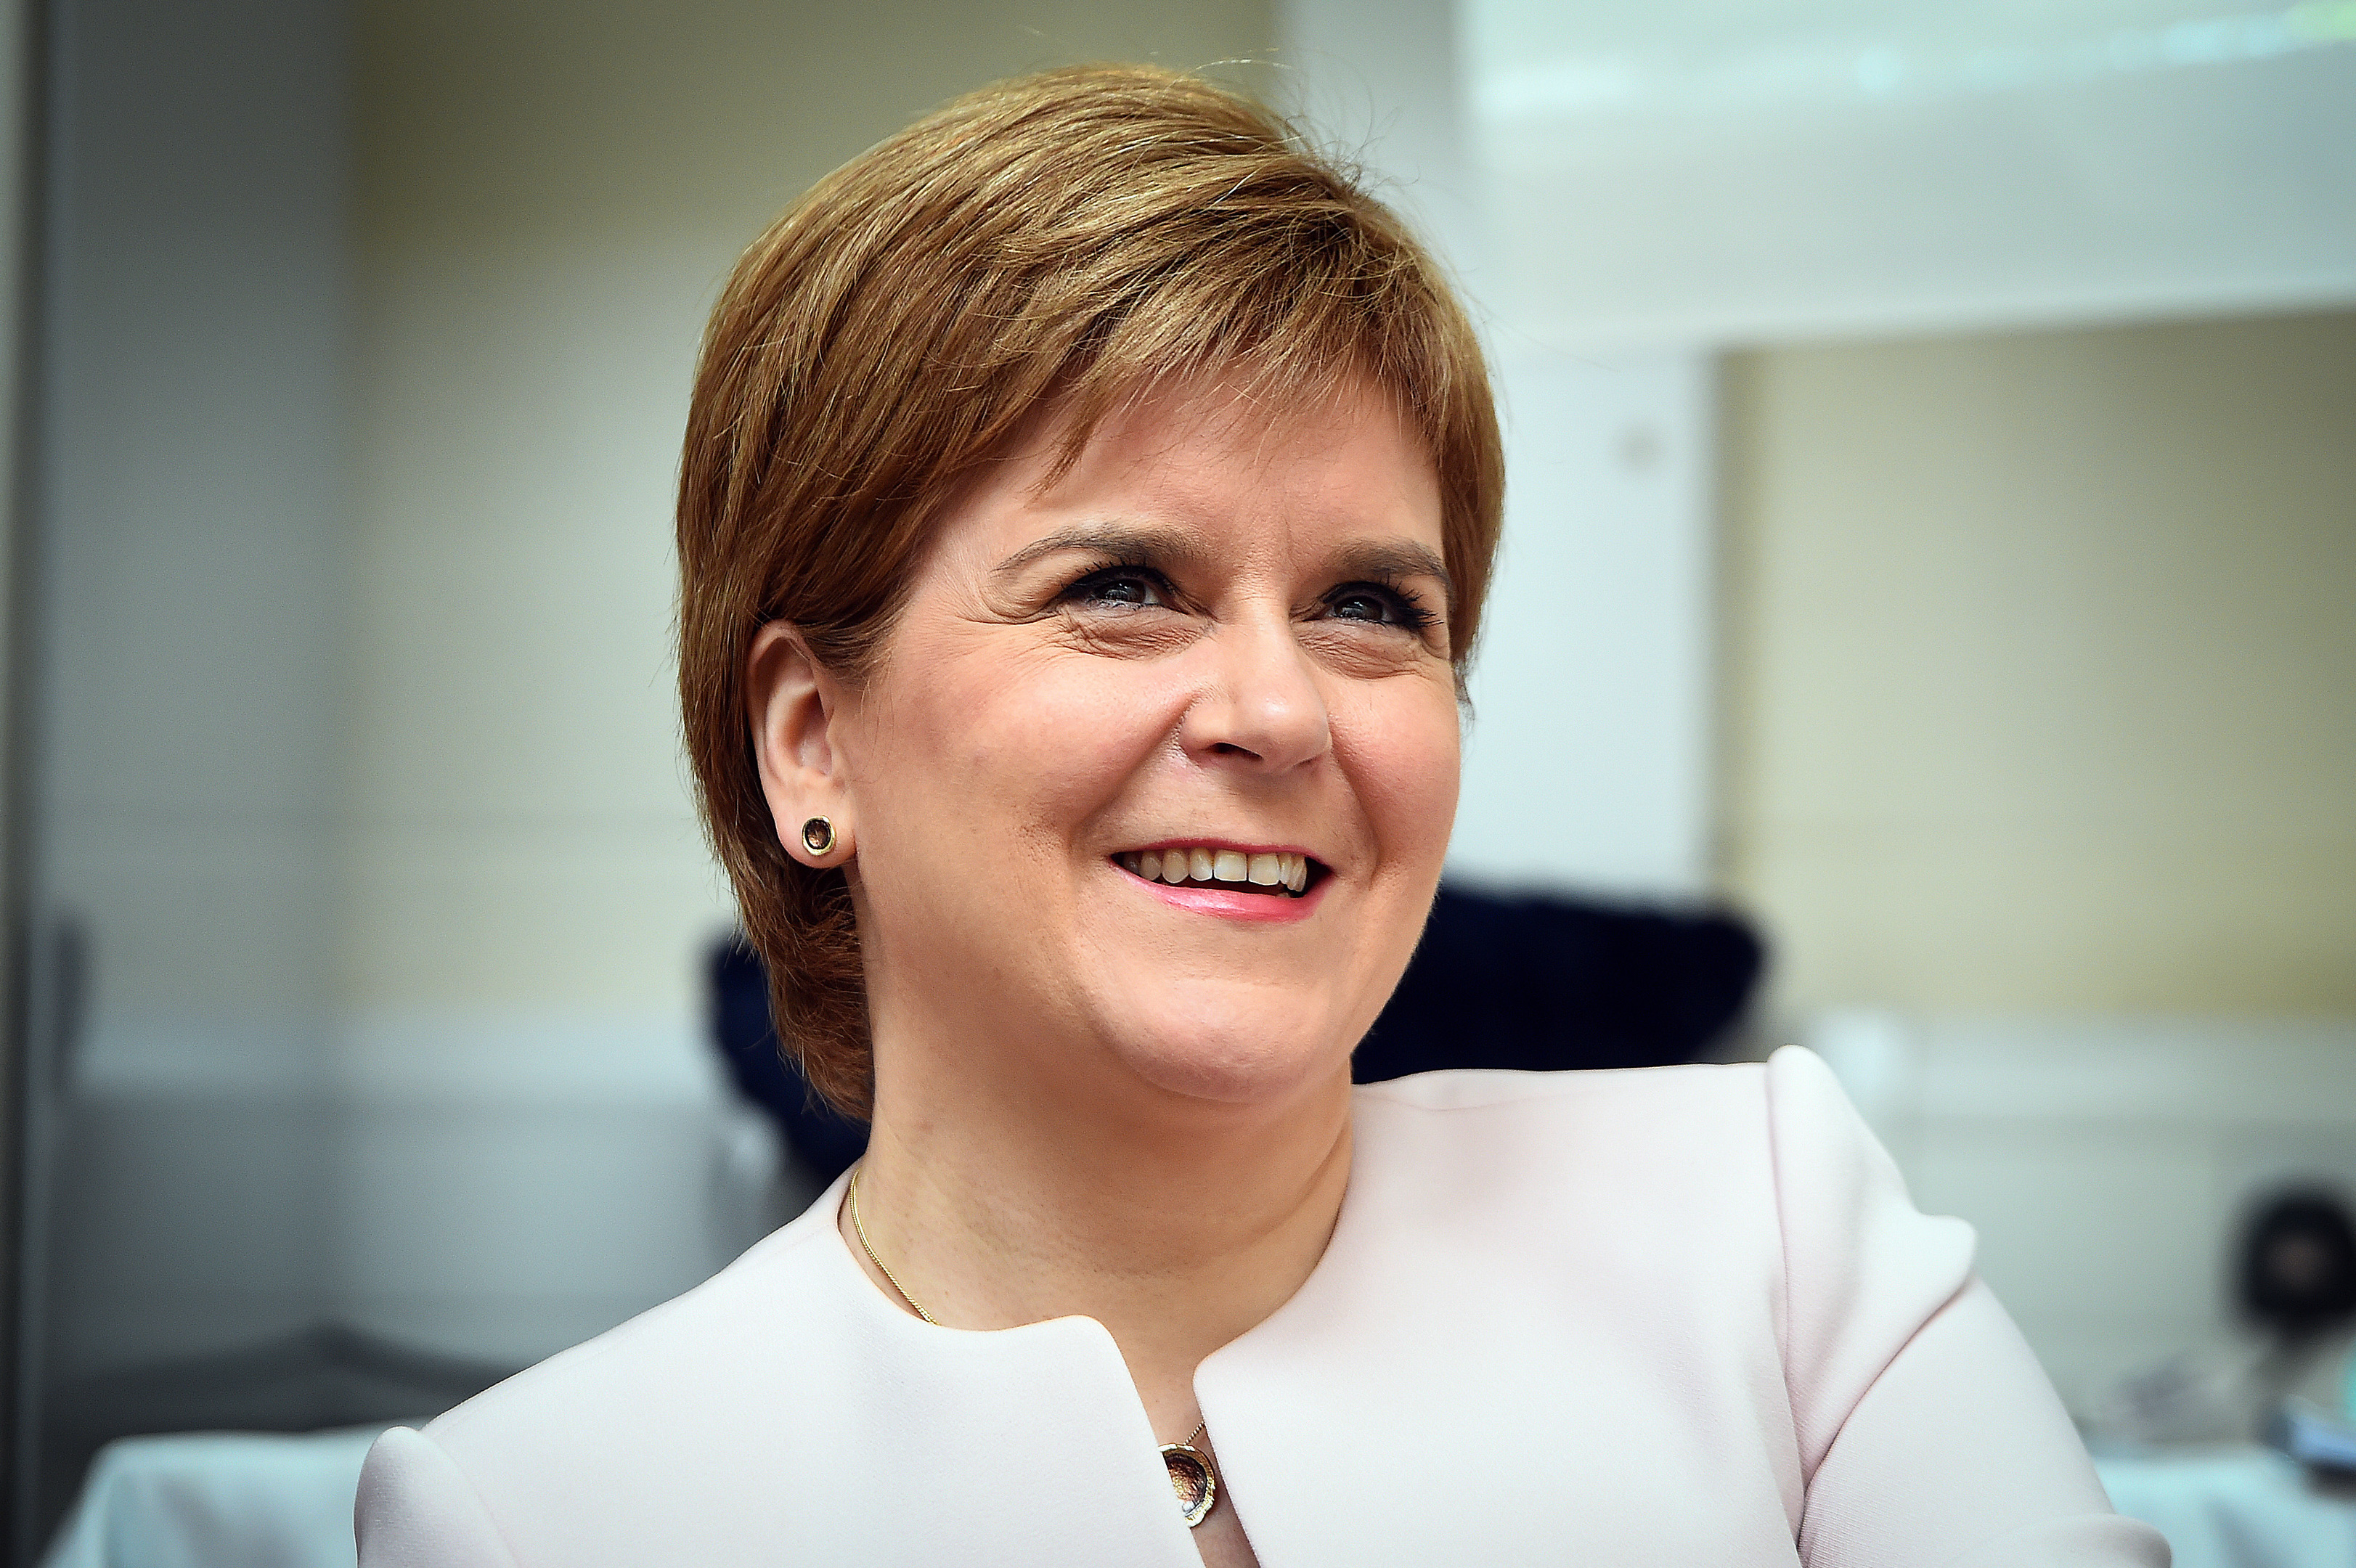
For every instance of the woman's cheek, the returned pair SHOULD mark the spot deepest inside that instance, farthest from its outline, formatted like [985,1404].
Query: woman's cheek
[1060,748]
[1115,709]
[1403,750]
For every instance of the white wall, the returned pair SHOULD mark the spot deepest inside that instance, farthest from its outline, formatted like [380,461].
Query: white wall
[1588,763]
[1709,171]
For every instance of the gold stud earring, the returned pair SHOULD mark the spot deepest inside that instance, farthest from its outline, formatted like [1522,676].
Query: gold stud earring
[817,836]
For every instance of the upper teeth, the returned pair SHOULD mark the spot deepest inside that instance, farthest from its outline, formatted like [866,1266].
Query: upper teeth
[1202,865]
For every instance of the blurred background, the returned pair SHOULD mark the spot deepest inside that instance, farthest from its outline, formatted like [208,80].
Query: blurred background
[1931,545]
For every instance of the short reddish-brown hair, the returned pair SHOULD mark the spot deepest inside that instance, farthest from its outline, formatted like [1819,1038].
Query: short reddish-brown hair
[1058,243]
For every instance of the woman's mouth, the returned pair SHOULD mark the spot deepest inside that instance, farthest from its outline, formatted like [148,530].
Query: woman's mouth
[1279,873]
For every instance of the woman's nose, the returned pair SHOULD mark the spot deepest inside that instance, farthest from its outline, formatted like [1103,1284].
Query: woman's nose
[1262,703]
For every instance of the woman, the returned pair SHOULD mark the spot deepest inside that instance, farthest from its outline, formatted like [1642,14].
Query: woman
[1087,502]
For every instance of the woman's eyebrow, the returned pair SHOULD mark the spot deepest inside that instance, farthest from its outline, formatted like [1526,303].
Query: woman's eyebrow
[1392,559]
[1375,559]
[1170,545]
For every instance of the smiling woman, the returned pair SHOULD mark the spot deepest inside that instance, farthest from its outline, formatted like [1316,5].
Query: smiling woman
[971,312]
[1088,503]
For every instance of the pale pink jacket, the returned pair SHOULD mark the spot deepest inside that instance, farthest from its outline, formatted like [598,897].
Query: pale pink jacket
[1685,1316]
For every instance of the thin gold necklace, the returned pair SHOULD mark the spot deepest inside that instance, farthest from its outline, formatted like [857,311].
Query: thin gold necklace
[1192,1476]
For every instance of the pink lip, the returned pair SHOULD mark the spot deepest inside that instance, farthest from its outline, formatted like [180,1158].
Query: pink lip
[1231,905]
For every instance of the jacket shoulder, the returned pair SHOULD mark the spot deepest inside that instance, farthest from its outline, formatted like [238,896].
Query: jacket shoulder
[416,1509]
[1589,1159]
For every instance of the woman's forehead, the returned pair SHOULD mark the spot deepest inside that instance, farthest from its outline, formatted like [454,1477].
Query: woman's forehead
[1205,456]
[1250,413]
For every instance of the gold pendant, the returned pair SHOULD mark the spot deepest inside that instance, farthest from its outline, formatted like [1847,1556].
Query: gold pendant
[1191,1477]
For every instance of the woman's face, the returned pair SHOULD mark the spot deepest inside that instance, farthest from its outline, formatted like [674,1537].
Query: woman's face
[1219,643]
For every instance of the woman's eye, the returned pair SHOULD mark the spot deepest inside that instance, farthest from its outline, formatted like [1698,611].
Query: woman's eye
[1383,606]
[1118,590]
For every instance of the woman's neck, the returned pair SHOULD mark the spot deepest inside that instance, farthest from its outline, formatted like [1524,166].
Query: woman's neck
[1176,1222]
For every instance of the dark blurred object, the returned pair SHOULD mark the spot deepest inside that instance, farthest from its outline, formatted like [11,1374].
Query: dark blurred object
[1544,983]
[1540,984]
[2295,1276]
[2291,1271]
[823,1141]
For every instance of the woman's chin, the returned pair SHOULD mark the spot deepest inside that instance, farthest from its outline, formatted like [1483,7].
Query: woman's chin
[1239,1062]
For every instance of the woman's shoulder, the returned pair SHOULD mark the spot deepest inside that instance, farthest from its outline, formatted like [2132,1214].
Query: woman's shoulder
[1759,1171]
[1554,1147]
[1770,1151]
[1789,1106]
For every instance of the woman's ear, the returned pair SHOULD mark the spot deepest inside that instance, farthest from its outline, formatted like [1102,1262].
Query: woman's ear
[791,703]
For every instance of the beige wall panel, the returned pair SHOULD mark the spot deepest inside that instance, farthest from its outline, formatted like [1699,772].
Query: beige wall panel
[2042,667]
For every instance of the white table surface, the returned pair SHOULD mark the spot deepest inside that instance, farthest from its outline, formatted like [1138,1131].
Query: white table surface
[2239,1506]
[217,1499]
